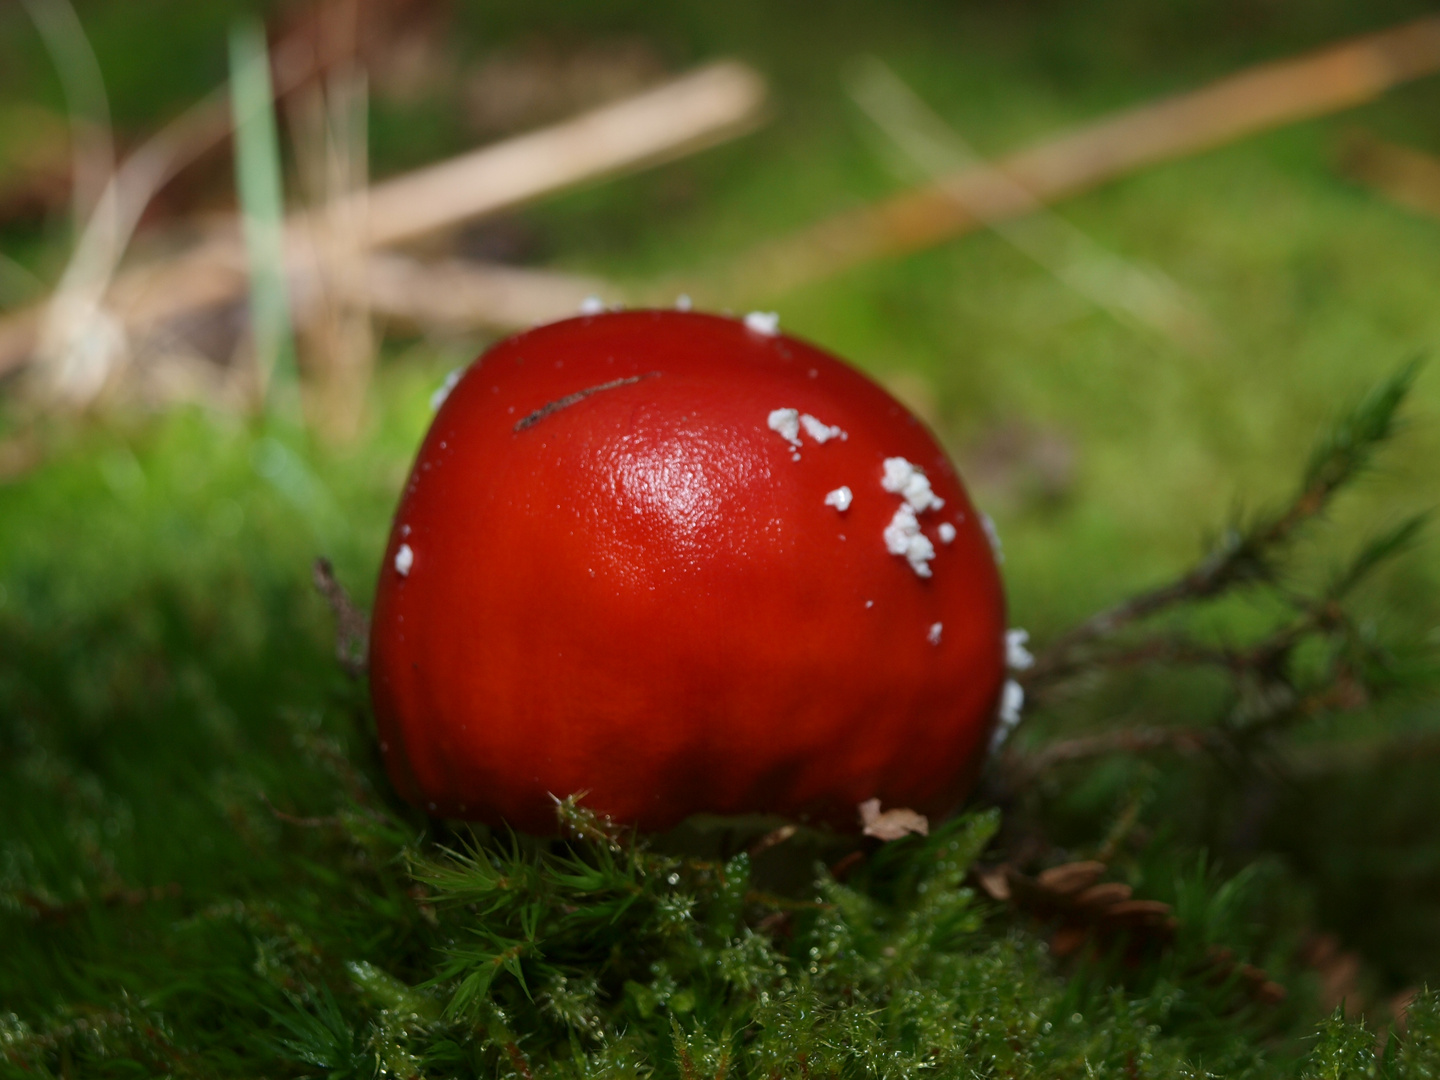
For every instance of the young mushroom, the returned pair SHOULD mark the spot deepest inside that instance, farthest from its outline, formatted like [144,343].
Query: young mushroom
[621,567]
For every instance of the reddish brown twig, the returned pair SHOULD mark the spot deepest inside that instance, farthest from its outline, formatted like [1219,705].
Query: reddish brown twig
[49,911]
[352,625]
[332,821]
[1123,741]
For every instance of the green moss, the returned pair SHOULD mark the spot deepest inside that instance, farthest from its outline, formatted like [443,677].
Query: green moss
[202,871]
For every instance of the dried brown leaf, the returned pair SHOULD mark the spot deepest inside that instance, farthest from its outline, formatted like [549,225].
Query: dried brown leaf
[1070,877]
[1105,894]
[994,881]
[891,824]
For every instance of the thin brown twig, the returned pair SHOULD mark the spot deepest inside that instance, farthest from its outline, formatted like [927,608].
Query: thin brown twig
[352,625]
[1314,761]
[1325,615]
[1160,649]
[1286,708]
[1235,560]
[329,822]
[119,897]
[1122,741]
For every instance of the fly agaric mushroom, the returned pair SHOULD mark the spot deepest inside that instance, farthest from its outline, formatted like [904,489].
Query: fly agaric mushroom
[682,563]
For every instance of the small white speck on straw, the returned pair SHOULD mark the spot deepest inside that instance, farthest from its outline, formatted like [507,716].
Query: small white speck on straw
[1017,656]
[934,635]
[404,560]
[682,302]
[592,305]
[443,390]
[840,498]
[763,322]
[946,532]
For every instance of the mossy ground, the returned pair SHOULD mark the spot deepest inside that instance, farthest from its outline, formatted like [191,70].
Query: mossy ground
[169,699]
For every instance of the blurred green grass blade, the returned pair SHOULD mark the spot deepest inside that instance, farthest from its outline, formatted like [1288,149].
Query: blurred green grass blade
[262,205]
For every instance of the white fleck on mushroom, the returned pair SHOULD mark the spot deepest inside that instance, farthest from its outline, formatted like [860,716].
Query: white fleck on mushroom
[934,635]
[592,305]
[1012,700]
[840,498]
[404,560]
[443,390]
[1017,656]
[786,424]
[820,431]
[682,302]
[946,532]
[903,537]
[909,481]
[763,322]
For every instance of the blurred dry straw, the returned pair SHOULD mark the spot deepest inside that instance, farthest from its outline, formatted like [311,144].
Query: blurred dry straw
[329,125]
[1257,99]
[1127,288]
[1405,176]
[103,323]
[92,143]
[75,337]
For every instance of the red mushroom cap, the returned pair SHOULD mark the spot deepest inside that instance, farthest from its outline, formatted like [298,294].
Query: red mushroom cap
[614,570]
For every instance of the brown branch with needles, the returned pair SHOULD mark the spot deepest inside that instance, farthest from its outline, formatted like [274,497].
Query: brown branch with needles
[1268,695]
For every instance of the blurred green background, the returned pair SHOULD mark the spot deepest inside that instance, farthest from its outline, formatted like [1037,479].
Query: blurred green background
[163,656]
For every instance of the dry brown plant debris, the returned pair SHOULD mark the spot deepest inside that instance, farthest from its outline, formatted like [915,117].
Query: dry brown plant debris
[891,824]
[352,625]
[686,114]
[1257,99]
[1403,175]
[1082,910]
